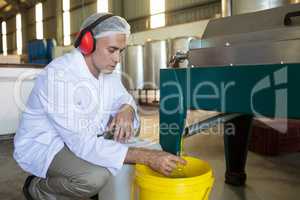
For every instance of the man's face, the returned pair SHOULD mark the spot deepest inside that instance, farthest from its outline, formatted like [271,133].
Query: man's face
[108,51]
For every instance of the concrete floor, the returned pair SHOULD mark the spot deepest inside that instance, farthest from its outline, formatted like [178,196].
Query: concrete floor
[269,178]
[11,175]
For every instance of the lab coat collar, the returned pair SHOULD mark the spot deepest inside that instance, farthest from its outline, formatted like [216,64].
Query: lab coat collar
[82,67]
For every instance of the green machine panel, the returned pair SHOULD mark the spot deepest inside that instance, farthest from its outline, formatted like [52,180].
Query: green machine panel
[260,90]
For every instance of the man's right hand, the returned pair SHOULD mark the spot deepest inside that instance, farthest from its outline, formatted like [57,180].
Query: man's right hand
[159,161]
[164,162]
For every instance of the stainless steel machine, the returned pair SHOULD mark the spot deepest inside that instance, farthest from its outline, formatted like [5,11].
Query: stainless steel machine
[141,65]
[180,46]
[245,66]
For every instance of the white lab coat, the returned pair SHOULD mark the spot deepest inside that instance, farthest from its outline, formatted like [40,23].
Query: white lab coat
[69,106]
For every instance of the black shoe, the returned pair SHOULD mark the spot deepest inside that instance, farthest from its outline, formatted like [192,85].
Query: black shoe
[26,187]
[95,197]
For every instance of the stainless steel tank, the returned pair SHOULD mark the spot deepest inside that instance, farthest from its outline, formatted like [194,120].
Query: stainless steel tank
[155,58]
[132,67]
[246,6]
[235,7]
[180,44]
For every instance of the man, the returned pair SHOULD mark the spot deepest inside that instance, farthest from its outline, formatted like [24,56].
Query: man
[60,139]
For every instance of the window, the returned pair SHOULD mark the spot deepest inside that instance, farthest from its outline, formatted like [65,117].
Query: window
[157,9]
[4,38]
[39,21]
[19,33]
[66,22]
[102,6]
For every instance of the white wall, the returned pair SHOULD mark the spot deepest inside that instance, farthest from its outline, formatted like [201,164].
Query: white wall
[188,29]
[13,94]
[10,59]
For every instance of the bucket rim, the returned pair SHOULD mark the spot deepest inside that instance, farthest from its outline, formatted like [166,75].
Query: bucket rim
[186,180]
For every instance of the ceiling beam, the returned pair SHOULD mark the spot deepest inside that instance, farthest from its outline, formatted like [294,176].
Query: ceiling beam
[17,6]
[3,8]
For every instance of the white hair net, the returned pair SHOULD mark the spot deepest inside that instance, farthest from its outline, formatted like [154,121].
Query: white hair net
[112,25]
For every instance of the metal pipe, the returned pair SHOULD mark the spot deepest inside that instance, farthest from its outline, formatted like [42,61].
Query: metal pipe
[226,8]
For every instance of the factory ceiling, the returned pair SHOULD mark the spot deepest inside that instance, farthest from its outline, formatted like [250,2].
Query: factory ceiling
[9,8]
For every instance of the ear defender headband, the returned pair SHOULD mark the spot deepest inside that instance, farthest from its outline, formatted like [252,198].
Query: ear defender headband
[85,40]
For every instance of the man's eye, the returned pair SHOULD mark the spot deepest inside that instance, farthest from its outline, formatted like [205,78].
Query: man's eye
[111,50]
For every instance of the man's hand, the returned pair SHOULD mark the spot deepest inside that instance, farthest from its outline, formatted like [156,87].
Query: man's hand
[121,124]
[159,161]
[164,162]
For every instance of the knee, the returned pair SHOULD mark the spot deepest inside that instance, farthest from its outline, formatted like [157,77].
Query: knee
[90,183]
[97,178]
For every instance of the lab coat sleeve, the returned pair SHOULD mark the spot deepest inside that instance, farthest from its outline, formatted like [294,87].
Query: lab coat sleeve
[89,147]
[122,97]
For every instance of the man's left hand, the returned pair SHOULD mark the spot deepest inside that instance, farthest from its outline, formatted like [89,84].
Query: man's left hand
[122,124]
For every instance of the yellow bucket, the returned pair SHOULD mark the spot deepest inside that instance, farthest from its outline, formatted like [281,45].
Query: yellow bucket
[195,183]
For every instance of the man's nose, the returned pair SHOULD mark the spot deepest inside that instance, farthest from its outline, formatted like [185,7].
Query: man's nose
[116,57]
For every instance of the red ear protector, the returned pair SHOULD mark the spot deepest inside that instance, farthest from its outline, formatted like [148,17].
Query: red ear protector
[85,40]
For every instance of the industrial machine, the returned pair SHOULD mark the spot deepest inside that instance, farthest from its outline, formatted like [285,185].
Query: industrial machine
[180,46]
[244,66]
[141,65]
